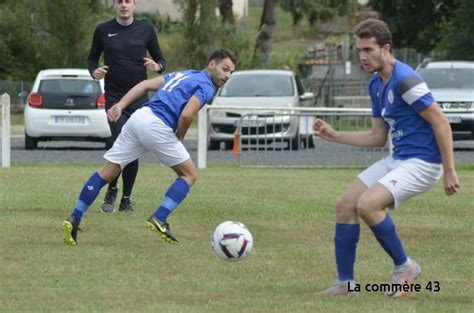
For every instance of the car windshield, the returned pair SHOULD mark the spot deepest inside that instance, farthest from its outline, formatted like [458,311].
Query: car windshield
[70,86]
[448,78]
[261,85]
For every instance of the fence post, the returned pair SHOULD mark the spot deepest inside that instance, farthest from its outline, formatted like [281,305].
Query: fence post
[202,138]
[6,130]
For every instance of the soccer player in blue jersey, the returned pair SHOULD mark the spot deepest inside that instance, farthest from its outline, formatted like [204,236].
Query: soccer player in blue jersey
[422,151]
[158,127]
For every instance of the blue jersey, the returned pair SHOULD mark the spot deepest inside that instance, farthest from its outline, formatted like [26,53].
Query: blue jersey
[399,103]
[174,94]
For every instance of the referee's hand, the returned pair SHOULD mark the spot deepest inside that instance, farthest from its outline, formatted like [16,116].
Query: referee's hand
[100,72]
[151,65]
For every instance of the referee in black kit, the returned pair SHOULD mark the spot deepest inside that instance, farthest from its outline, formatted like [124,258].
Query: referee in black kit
[124,42]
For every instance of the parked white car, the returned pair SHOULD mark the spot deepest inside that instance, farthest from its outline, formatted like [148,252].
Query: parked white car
[452,86]
[259,88]
[66,104]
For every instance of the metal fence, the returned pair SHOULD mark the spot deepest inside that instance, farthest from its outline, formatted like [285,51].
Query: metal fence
[331,94]
[266,140]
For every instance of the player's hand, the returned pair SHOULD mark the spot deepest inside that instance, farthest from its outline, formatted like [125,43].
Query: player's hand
[451,183]
[114,113]
[151,65]
[323,130]
[100,72]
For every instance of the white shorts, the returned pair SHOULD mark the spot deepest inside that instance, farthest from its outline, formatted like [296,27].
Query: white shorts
[403,178]
[143,132]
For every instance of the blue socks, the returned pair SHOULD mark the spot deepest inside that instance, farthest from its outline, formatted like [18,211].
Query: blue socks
[345,243]
[387,236]
[347,236]
[173,197]
[89,192]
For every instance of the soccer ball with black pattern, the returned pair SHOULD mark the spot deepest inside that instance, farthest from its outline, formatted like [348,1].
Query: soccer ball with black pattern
[232,241]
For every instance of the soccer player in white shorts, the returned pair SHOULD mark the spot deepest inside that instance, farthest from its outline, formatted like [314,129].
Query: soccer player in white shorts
[423,151]
[147,132]
[159,127]
[402,178]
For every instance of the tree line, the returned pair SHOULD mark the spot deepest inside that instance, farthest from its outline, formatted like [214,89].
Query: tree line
[57,33]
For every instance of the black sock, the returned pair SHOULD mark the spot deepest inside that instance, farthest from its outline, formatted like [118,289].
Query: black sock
[129,173]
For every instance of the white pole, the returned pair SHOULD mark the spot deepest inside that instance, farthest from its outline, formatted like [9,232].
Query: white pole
[6,130]
[202,138]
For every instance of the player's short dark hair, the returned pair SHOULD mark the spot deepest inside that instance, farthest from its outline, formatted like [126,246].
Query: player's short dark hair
[374,28]
[222,54]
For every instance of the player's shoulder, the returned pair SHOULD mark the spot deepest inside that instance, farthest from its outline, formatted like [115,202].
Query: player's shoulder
[198,75]
[406,76]
[206,79]
[402,70]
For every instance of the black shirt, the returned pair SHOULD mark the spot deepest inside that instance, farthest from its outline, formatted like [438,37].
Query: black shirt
[124,48]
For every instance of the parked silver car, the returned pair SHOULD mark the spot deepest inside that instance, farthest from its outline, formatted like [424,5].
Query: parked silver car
[452,86]
[259,88]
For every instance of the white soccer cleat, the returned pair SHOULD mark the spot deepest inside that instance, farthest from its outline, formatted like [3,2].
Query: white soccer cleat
[403,276]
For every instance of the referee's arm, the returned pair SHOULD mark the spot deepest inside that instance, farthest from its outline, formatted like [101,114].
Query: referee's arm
[94,53]
[155,51]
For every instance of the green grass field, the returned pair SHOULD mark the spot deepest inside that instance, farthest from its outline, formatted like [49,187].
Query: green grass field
[120,266]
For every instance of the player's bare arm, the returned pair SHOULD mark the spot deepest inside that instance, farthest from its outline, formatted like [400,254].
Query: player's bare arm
[443,134]
[187,116]
[377,137]
[133,94]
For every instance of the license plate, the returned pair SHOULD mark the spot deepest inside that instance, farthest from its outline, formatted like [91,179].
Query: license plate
[253,123]
[454,119]
[69,120]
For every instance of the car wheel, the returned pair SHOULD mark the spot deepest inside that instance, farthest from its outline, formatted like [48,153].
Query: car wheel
[214,145]
[30,142]
[109,142]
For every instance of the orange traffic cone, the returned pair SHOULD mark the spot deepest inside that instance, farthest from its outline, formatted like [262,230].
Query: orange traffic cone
[236,147]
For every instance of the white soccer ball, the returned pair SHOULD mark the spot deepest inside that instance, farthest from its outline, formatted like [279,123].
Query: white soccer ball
[232,241]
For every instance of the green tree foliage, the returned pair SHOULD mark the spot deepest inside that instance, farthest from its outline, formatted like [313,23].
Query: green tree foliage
[203,32]
[199,32]
[315,10]
[457,33]
[18,56]
[45,34]
[66,31]
[263,45]
[416,23]
[225,9]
